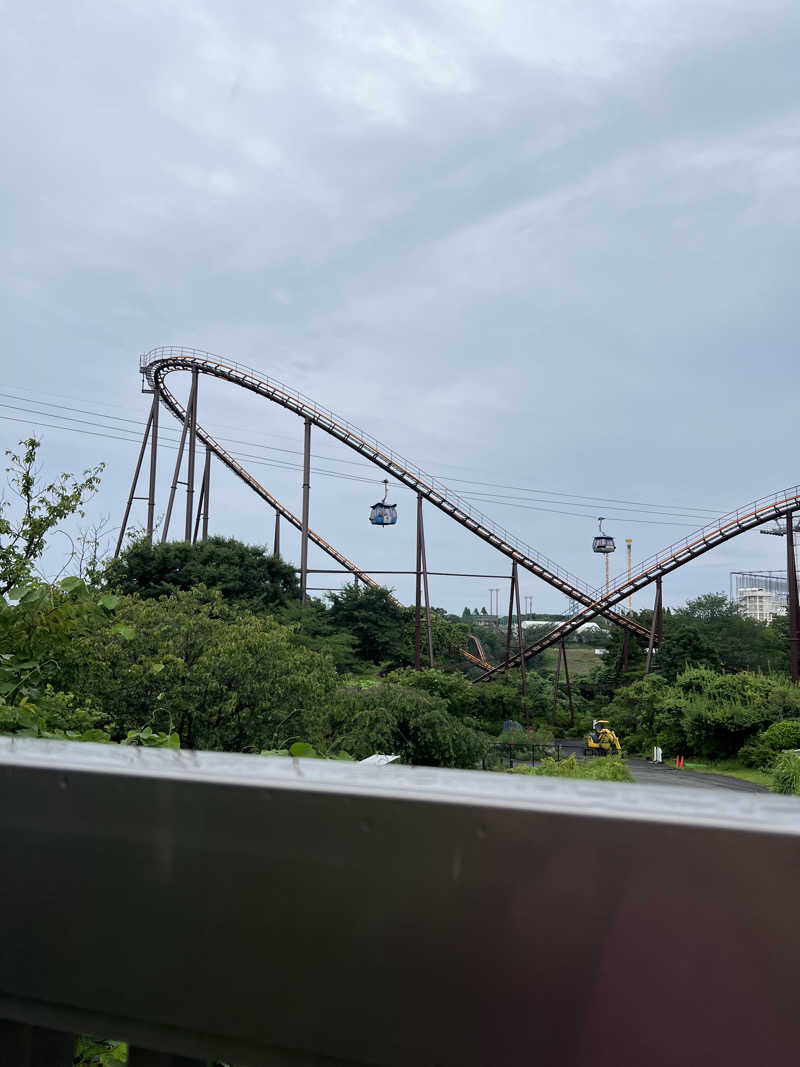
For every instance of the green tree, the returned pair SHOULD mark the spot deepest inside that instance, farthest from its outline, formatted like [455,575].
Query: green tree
[36,509]
[409,722]
[220,676]
[380,627]
[243,574]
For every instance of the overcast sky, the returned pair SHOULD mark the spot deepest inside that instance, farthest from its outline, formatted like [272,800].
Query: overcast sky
[546,247]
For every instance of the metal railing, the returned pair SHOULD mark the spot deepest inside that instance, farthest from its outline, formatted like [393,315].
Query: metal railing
[524,753]
[267,911]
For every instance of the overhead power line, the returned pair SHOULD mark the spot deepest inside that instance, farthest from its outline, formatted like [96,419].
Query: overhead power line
[133,438]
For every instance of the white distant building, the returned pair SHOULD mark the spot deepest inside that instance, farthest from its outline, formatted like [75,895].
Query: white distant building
[760,604]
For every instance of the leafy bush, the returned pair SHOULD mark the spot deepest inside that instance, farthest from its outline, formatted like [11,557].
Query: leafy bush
[786,773]
[761,751]
[609,769]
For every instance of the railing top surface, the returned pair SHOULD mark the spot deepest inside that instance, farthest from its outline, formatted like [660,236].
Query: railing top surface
[481,789]
[169,352]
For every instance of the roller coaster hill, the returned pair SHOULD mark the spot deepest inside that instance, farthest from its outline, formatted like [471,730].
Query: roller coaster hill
[161,367]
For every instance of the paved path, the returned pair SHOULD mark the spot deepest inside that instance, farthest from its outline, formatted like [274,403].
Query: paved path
[647,773]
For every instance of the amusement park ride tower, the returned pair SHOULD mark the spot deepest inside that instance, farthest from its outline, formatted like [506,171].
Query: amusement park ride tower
[604,543]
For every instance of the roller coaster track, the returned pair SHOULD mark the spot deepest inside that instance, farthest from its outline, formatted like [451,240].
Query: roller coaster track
[775,506]
[156,364]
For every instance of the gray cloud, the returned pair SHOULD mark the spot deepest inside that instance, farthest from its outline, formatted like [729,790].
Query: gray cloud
[537,246]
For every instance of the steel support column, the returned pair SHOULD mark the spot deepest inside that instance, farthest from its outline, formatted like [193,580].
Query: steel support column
[555,684]
[151,492]
[418,598]
[794,604]
[656,628]
[124,525]
[424,560]
[178,461]
[206,493]
[521,645]
[569,687]
[202,501]
[622,663]
[511,589]
[191,462]
[304,533]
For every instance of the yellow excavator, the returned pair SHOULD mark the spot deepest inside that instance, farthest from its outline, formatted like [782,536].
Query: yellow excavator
[602,741]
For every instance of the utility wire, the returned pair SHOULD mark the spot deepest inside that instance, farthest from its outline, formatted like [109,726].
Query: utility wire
[637,509]
[278,465]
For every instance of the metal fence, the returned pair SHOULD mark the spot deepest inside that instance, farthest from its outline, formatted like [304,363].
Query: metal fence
[266,911]
[520,752]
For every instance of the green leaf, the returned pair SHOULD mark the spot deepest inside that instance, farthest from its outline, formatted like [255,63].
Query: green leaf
[302,750]
[173,741]
[34,595]
[109,602]
[127,633]
[71,583]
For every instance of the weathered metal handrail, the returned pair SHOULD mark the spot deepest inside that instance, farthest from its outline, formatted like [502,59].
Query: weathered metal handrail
[267,911]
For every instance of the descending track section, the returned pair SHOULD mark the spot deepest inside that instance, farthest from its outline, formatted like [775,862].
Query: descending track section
[179,411]
[158,363]
[775,506]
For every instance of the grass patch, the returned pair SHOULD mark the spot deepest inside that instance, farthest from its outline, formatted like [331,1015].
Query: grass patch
[581,661]
[733,769]
[608,769]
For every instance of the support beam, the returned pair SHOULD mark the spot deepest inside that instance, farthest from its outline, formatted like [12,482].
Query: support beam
[192,452]
[555,685]
[656,628]
[202,503]
[521,644]
[418,599]
[511,588]
[794,605]
[151,493]
[622,662]
[424,559]
[178,461]
[304,532]
[124,525]
[276,544]
[206,493]
[569,687]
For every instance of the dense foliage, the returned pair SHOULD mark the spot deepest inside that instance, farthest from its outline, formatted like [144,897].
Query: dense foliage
[608,769]
[243,574]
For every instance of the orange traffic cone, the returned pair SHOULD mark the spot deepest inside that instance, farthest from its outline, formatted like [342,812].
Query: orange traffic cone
[677,762]
[683,762]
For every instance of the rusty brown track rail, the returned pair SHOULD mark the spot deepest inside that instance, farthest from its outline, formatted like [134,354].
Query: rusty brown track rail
[241,472]
[159,362]
[765,509]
